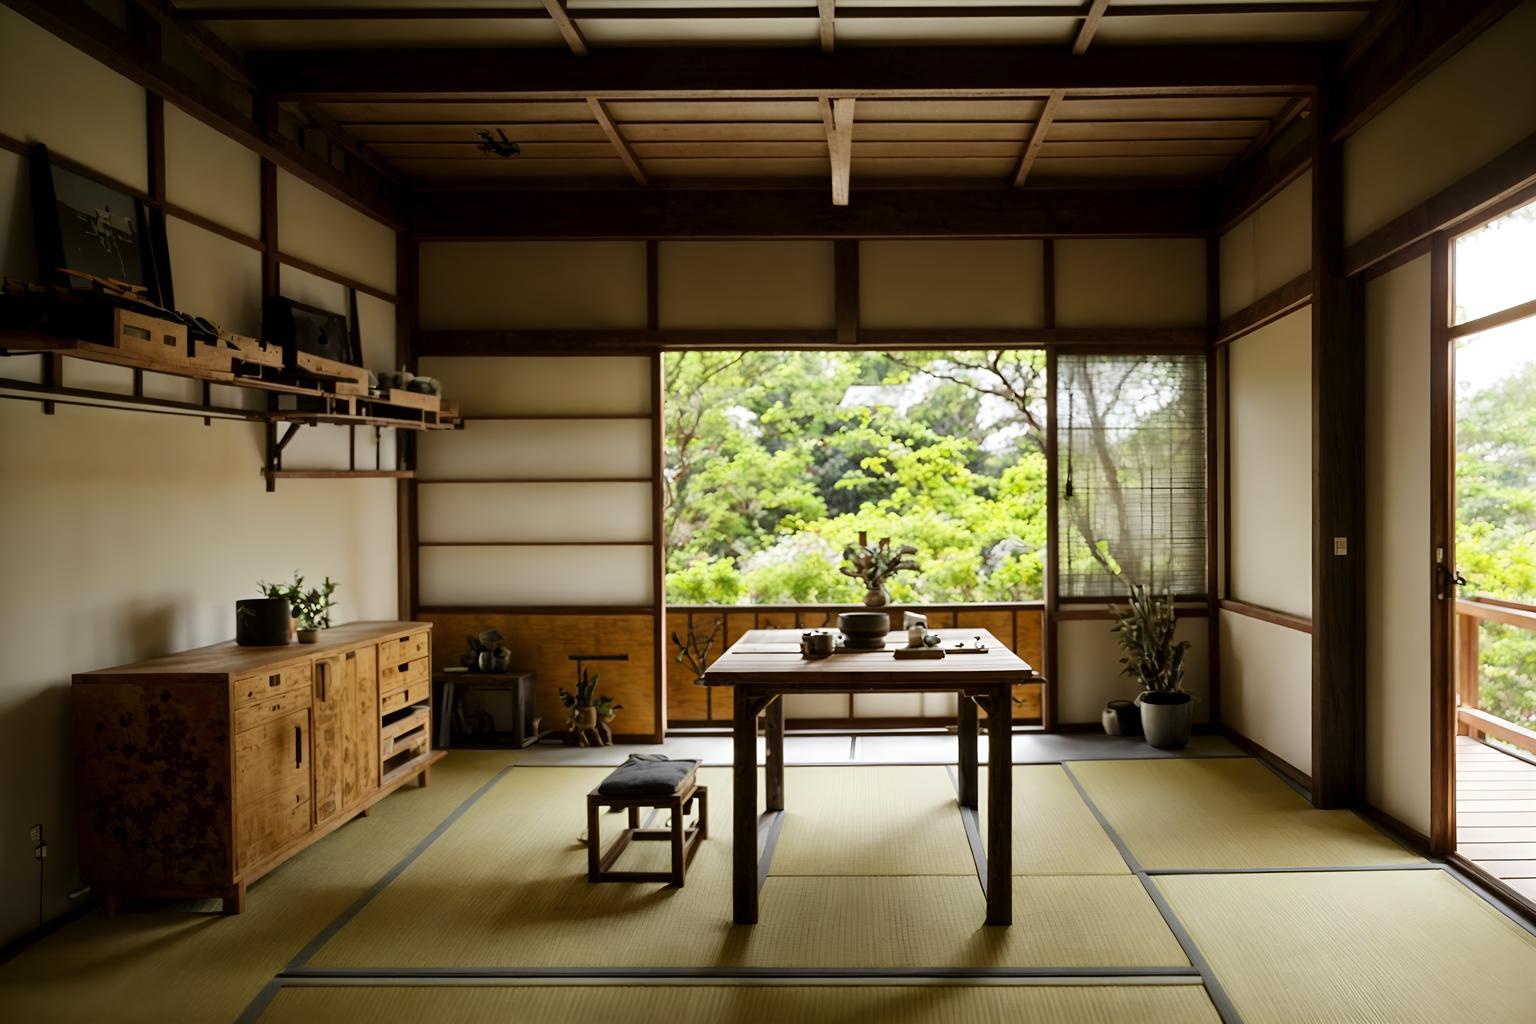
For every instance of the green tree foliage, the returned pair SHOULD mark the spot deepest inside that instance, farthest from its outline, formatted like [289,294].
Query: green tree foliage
[776,460]
[1496,530]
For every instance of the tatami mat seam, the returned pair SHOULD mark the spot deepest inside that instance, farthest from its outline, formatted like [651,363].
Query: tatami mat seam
[1213,988]
[259,1003]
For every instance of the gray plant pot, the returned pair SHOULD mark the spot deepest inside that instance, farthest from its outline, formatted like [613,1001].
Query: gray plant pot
[1166,718]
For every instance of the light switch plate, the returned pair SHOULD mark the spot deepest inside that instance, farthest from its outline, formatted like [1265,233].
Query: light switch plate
[1341,545]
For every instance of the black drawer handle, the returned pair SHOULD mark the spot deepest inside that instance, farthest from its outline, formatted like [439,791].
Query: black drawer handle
[298,747]
[275,679]
[404,667]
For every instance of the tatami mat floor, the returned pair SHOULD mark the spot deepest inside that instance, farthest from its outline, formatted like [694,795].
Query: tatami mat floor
[1146,889]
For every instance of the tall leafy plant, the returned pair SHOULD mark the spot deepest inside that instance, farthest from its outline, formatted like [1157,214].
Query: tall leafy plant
[1145,633]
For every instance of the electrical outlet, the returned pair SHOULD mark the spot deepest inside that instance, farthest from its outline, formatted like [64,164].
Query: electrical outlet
[40,851]
[37,833]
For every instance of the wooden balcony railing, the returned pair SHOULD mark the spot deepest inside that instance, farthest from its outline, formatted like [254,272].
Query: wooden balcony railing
[1471,719]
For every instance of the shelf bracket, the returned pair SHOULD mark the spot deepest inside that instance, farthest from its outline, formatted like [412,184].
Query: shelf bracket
[275,446]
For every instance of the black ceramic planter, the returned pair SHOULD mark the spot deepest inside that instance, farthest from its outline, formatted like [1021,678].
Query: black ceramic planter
[262,621]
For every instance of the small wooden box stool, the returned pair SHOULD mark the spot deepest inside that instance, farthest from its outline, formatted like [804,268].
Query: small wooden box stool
[647,782]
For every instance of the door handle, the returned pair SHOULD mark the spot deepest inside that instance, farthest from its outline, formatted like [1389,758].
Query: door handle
[321,675]
[298,747]
[1446,578]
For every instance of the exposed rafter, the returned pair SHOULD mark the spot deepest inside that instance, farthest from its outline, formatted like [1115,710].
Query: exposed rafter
[724,73]
[837,115]
[826,17]
[617,138]
[1037,137]
[573,37]
[1090,25]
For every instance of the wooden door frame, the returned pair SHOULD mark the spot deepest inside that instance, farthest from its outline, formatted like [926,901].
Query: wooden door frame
[1442,553]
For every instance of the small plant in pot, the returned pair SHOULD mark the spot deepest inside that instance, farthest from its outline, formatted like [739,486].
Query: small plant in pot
[589,713]
[1156,661]
[311,607]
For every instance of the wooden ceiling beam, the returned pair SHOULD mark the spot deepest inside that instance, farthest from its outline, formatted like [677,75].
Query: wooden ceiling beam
[837,115]
[617,138]
[568,30]
[978,72]
[511,212]
[1037,137]
[1090,25]
[826,27]
[725,12]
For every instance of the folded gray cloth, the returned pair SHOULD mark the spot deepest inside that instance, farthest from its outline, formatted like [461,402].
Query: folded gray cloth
[648,775]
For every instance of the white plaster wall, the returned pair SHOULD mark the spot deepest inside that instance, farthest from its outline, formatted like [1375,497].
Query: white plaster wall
[1266,686]
[1088,661]
[1268,249]
[1398,551]
[1130,282]
[1469,110]
[1271,465]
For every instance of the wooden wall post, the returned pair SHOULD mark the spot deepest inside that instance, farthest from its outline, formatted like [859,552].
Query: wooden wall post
[1338,486]
[1214,510]
[408,599]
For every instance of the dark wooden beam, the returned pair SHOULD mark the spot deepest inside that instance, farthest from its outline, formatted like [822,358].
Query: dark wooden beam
[464,214]
[568,30]
[1261,181]
[1442,541]
[725,72]
[1284,300]
[1425,35]
[580,342]
[1338,488]
[79,25]
[724,11]
[1510,174]
[200,38]
[1091,18]
[845,270]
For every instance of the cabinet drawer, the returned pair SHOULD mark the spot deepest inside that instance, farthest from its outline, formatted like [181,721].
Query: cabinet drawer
[403,648]
[276,706]
[254,688]
[404,697]
[397,675]
[415,738]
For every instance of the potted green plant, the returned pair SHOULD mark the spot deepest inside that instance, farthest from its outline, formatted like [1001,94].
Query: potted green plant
[589,714]
[311,607]
[1156,662]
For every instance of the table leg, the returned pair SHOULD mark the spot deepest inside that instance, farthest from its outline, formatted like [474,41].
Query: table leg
[774,769]
[744,823]
[1000,806]
[970,793]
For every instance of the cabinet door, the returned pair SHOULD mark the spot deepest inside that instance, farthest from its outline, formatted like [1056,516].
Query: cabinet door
[272,785]
[360,725]
[330,699]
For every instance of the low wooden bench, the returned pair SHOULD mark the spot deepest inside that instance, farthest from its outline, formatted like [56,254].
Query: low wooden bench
[685,841]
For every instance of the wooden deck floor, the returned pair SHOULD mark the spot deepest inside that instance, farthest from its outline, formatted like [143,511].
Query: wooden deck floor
[1496,813]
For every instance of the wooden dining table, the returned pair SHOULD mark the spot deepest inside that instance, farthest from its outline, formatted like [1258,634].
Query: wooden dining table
[765,664]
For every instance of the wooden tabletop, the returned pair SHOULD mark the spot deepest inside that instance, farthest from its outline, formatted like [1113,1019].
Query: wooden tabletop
[764,655]
[223,660]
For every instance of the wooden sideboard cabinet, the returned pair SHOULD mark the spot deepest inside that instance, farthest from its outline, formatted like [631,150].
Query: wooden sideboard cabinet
[199,772]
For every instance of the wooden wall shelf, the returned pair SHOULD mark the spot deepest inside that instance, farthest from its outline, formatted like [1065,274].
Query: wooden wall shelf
[344,474]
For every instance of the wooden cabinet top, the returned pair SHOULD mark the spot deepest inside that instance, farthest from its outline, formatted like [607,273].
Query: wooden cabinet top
[223,661]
